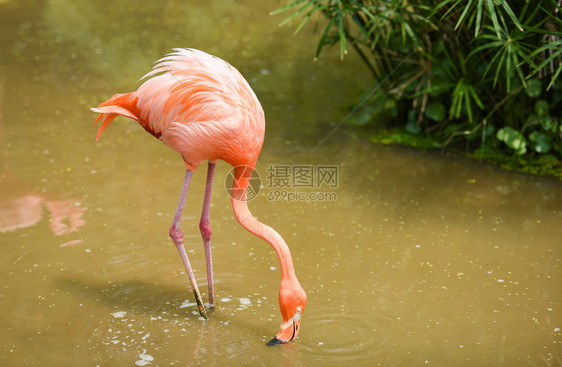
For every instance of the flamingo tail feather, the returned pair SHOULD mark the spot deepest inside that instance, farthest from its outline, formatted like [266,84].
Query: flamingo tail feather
[118,105]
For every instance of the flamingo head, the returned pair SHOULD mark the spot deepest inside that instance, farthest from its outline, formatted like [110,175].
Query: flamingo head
[292,300]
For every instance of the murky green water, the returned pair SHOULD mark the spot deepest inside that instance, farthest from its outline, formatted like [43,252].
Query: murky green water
[411,258]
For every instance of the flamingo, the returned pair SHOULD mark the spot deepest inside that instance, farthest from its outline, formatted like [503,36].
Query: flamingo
[203,108]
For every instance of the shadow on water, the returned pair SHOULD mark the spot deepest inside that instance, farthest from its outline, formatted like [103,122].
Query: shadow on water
[146,319]
[136,296]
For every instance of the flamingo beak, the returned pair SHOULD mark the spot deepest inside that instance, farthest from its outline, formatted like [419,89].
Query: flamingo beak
[289,330]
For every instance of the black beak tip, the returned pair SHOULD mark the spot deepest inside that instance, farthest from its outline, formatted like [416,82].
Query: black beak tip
[275,341]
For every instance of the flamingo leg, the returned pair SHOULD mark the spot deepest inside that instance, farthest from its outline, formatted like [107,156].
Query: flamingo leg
[205,227]
[177,236]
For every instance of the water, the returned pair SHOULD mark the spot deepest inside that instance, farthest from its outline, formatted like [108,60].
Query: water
[411,258]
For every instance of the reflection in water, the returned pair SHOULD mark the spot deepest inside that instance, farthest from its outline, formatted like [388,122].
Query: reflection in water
[20,212]
[473,252]
[65,216]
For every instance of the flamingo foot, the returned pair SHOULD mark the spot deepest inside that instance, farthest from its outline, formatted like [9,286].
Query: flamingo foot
[200,305]
[275,341]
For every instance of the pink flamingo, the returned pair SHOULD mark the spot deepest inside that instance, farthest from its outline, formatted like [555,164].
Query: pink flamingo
[203,108]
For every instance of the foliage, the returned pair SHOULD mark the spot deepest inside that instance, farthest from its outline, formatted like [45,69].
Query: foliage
[482,74]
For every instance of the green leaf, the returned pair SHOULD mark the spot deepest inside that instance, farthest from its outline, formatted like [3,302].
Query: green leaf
[534,88]
[549,124]
[513,139]
[435,111]
[499,67]
[343,48]
[323,40]
[410,32]
[287,7]
[555,52]
[492,12]
[434,90]
[464,13]
[478,18]
[475,97]
[554,77]
[541,142]
[307,17]
[295,14]
[549,46]
[541,107]
[413,128]
[511,14]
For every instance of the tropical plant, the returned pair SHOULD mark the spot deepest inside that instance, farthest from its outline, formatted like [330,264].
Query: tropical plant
[478,73]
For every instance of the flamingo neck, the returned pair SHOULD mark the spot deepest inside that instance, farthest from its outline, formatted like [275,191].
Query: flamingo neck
[251,224]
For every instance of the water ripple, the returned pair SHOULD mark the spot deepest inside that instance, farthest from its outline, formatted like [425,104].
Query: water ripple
[342,337]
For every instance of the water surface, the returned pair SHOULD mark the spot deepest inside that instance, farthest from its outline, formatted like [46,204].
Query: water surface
[411,258]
